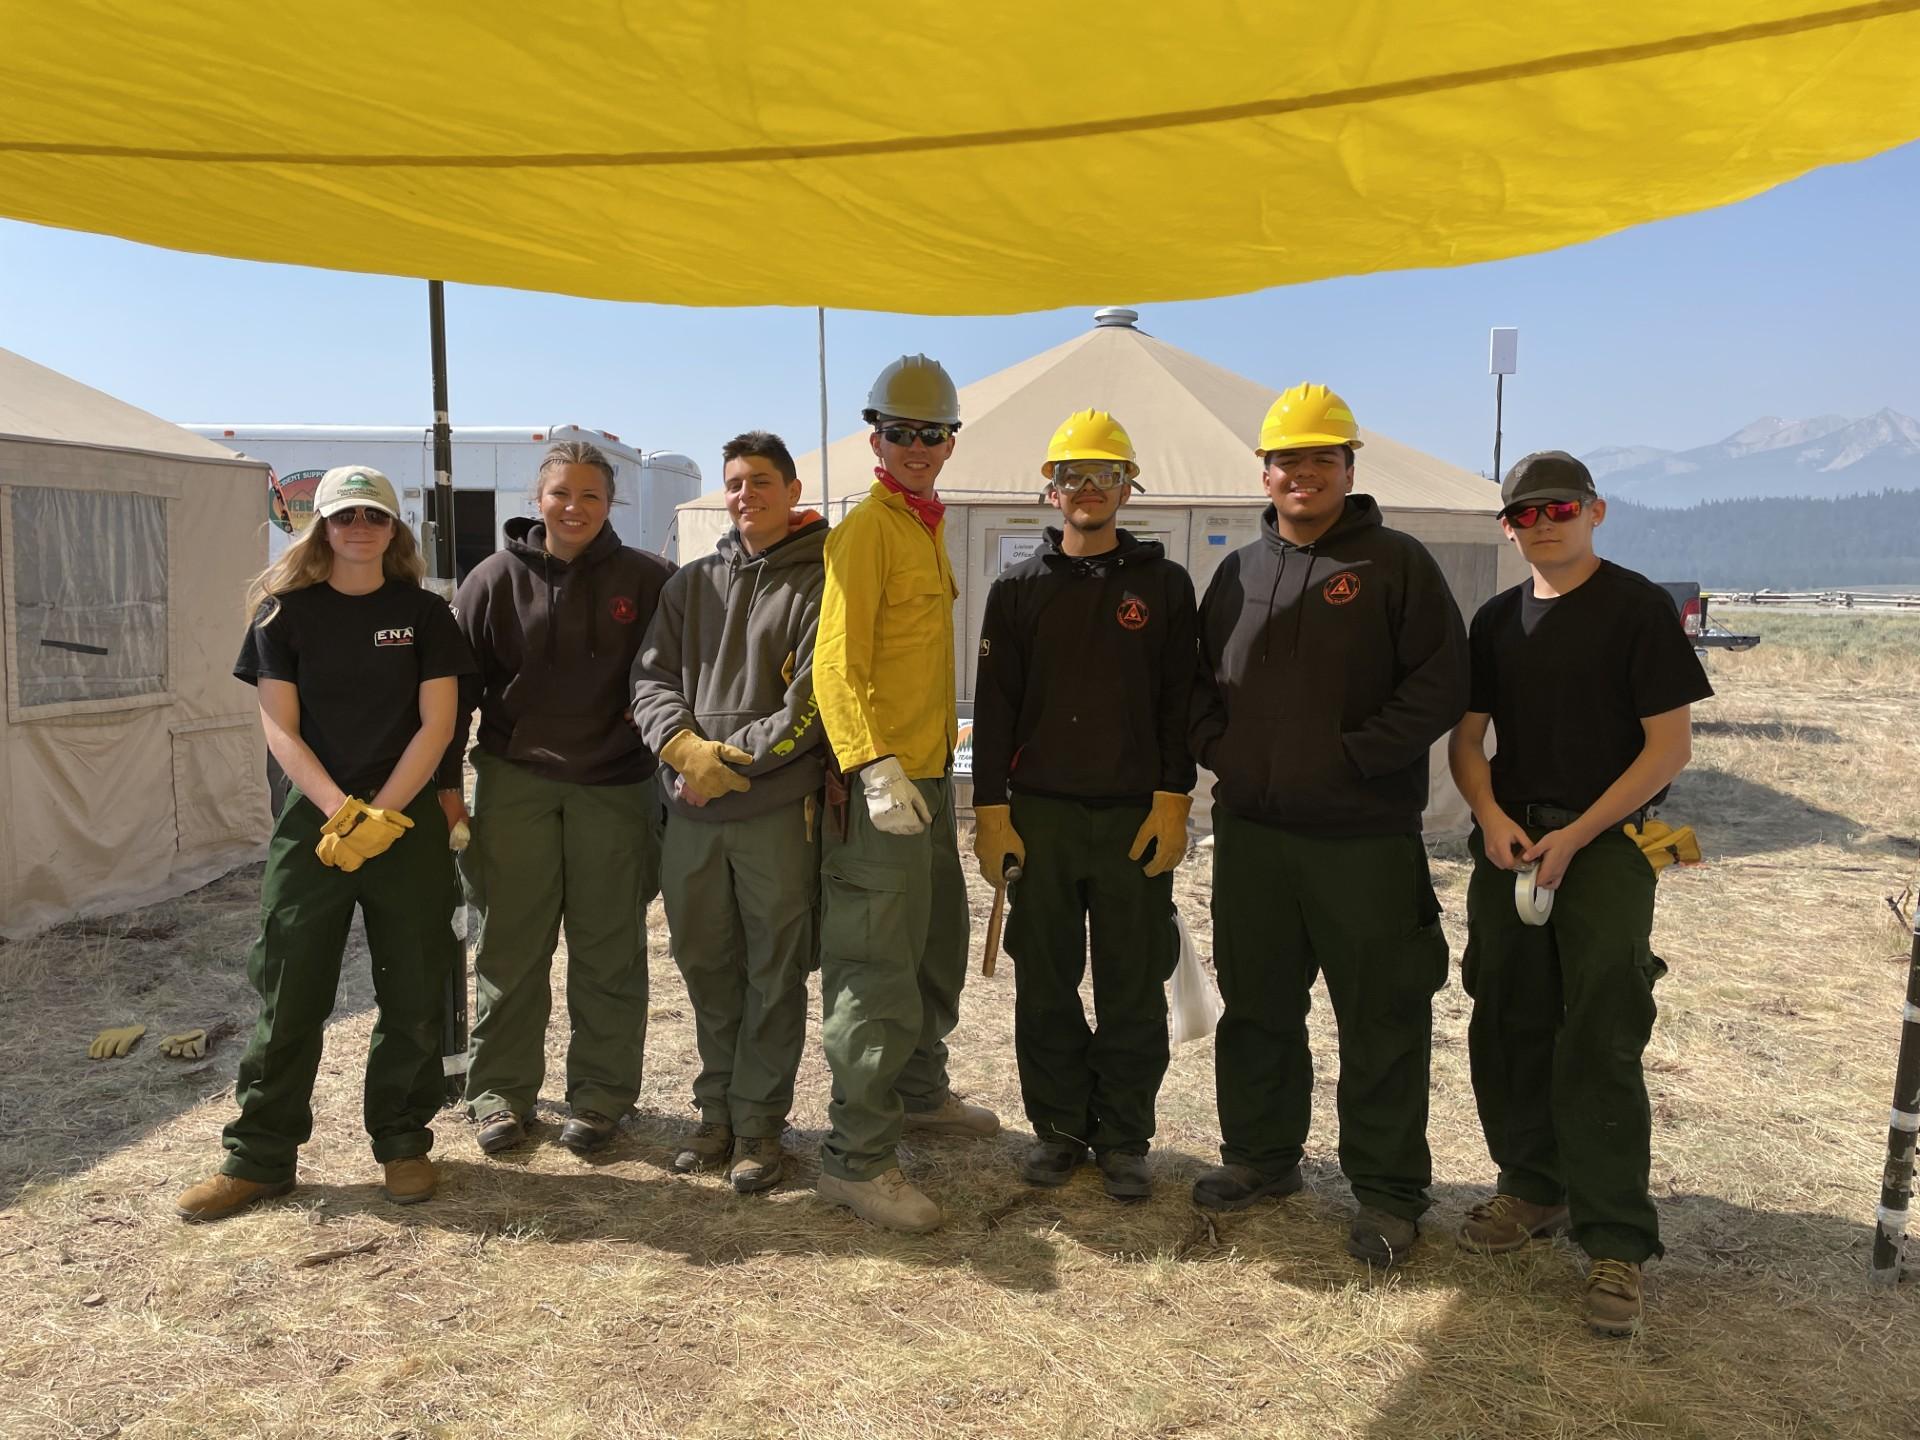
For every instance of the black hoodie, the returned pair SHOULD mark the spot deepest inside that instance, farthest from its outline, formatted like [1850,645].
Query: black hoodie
[1086,666]
[1327,671]
[555,640]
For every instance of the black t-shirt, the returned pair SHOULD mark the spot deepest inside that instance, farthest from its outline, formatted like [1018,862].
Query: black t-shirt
[1568,681]
[358,661]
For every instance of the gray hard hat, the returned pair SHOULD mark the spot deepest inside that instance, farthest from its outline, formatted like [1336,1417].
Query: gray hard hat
[914,388]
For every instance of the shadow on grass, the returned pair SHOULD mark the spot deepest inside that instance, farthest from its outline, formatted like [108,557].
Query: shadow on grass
[1735,817]
[1767,730]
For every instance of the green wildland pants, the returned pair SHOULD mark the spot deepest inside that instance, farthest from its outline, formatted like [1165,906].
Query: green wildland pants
[893,957]
[1562,1013]
[406,898]
[1095,1086]
[544,851]
[1361,911]
[740,898]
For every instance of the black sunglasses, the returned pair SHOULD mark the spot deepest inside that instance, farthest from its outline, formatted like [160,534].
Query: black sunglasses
[1525,517]
[373,515]
[929,435]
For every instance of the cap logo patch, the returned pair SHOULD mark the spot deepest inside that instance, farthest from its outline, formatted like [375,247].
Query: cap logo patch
[1132,613]
[622,608]
[1341,588]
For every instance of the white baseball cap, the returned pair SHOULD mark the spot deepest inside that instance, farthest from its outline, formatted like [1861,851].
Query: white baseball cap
[346,486]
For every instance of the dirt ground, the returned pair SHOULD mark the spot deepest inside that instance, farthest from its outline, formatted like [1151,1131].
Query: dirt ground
[542,1296]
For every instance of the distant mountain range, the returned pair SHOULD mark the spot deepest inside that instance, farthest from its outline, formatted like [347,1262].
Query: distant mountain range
[1824,457]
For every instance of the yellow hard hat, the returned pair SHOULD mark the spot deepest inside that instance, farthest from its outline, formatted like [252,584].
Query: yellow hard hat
[1090,435]
[1305,416]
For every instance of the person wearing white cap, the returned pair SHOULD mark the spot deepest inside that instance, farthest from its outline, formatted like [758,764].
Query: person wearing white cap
[893,901]
[358,671]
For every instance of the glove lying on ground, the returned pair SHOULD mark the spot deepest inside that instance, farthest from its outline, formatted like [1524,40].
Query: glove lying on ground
[112,1043]
[995,841]
[894,803]
[1663,845]
[704,764]
[187,1045]
[1166,829]
[362,836]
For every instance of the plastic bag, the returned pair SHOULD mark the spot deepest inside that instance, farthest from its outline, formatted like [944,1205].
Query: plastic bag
[1193,1000]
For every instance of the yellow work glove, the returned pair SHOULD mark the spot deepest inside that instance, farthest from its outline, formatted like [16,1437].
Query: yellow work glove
[995,841]
[368,837]
[113,1043]
[187,1045]
[338,824]
[1663,845]
[1166,830]
[703,765]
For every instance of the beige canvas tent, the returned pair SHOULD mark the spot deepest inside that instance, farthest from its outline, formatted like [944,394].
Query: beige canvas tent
[131,762]
[1193,424]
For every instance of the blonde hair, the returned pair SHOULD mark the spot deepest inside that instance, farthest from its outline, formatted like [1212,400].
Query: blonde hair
[309,561]
[573,452]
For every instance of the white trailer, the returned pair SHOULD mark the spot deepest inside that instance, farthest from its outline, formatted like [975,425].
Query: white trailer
[493,475]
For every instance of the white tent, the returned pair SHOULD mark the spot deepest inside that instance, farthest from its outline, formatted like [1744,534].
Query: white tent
[131,762]
[1194,425]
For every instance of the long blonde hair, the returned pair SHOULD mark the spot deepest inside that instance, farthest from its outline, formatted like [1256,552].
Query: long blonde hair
[309,561]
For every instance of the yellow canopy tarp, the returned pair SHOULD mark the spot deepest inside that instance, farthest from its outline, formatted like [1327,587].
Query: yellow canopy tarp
[953,158]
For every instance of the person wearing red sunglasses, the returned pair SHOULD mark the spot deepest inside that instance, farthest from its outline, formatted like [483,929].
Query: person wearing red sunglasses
[1588,683]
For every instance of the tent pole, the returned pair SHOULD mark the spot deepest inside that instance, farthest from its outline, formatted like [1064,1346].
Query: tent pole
[443,563]
[1896,1179]
[821,313]
[1499,395]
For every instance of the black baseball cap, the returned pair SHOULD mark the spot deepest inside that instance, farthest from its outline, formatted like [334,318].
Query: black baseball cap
[1546,475]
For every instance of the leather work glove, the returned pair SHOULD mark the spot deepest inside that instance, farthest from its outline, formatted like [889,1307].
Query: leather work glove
[368,838]
[893,801]
[114,1042]
[705,765]
[187,1045]
[995,841]
[1166,829]
[1663,845]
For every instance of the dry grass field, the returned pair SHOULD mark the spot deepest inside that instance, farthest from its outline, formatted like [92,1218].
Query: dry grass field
[541,1296]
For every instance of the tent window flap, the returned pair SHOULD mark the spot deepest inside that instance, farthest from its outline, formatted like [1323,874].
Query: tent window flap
[88,595]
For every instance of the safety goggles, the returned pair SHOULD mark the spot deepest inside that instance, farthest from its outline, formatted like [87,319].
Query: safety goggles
[1525,517]
[1071,475]
[905,435]
[375,517]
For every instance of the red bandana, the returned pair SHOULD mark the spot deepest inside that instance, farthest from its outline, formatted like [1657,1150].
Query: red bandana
[928,507]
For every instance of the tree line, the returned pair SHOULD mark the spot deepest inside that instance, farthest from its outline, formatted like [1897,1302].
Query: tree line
[1777,544]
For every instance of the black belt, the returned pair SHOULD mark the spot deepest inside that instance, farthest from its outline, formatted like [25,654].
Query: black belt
[1555,817]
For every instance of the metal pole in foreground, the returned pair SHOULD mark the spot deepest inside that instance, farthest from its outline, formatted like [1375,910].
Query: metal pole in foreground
[1503,359]
[453,1027]
[1896,1182]
[821,312]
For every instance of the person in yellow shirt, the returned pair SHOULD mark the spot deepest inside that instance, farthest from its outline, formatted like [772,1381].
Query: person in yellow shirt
[893,923]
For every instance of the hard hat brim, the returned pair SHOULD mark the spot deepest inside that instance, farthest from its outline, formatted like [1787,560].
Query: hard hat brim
[1306,442]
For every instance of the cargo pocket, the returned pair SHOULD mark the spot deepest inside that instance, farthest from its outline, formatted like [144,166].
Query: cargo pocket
[863,909]
[1403,974]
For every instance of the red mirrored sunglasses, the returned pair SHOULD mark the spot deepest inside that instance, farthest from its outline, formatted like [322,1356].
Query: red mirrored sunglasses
[1525,517]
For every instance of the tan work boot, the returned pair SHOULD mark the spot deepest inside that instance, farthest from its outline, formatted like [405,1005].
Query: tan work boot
[219,1196]
[889,1199]
[411,1180]
[757,1163]
[1614,1305]
[708,1145]
[954,1117]
[1506,1223]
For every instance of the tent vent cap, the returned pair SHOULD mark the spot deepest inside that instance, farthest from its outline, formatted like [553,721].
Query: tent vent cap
[1115,317]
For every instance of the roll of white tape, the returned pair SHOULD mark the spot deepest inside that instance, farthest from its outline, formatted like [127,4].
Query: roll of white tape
[1533,903]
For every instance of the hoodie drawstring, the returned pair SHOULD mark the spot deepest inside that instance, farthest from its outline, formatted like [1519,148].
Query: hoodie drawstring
[1266,631]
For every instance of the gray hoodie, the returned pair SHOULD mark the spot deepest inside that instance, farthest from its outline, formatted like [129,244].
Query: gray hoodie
[729,655]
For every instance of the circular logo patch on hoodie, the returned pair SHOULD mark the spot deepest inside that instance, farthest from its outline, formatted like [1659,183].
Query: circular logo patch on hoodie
[1341,588]
[622,608]
[1132,613]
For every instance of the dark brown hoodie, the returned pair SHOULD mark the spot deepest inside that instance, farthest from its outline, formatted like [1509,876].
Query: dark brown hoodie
[555,640]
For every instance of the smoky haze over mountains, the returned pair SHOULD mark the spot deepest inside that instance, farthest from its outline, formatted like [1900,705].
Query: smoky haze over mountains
[1826,457]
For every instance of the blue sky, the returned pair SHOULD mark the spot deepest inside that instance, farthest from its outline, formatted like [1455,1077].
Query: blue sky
[1802,301]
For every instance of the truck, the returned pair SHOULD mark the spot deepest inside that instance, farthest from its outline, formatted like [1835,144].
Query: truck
[494,467]
[1707,634]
